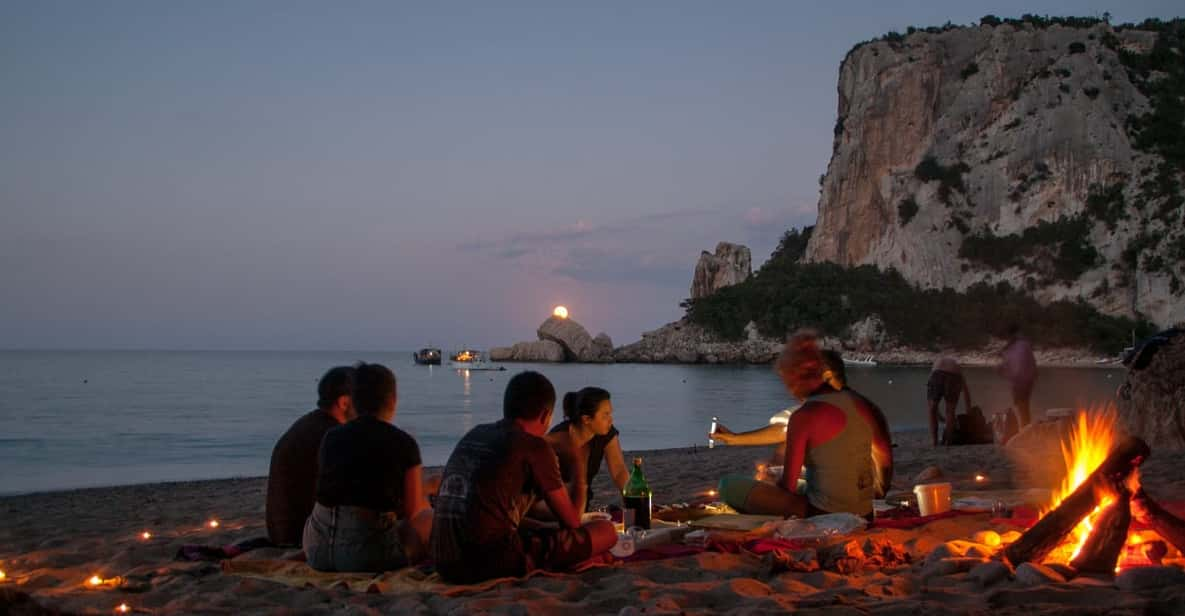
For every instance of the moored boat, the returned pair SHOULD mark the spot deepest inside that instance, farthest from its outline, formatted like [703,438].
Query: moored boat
[427,357]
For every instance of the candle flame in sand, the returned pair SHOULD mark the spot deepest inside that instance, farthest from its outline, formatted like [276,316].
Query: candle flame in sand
[560,312]
[212,523]
[123,608]
[146,535]
[95,581]
[980,478]
[3,575]
[1090,441]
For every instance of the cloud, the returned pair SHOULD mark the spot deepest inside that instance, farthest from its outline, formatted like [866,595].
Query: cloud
[654,249]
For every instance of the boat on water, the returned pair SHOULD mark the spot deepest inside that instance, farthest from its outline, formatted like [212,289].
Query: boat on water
[859,361]
[427,357]
[471,359]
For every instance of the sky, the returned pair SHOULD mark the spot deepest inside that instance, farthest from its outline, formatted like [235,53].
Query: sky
[391,175]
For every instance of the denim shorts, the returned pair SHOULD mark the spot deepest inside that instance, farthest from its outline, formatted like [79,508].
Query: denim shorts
[353,539]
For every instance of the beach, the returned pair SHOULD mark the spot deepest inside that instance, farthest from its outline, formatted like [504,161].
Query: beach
[52,542]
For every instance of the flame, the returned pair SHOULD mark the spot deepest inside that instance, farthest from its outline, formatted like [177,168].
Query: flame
[95,580]
[1090,440]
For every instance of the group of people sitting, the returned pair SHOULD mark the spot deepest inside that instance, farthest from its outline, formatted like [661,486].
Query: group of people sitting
[346,484]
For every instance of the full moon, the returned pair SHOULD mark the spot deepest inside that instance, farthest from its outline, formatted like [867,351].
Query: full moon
[560,312]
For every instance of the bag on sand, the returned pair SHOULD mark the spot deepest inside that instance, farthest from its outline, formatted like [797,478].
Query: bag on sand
[972,429]
[1004,426]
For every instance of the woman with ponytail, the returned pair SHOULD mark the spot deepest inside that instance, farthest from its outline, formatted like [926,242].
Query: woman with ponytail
[583,439]
[828,441]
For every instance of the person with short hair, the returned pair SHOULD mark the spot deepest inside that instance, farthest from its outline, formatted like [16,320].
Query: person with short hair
[825,436]
[946,382]
[585,438]
[1019,366]
[371,514]
[292,475]
[495,474]
[835,374]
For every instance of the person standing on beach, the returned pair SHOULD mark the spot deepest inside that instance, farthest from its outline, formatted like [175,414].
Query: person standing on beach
[1018,365]
[583,439]
[946,383]
[825,436]
[490,482]
[292,476]
[371,513]
[835,375]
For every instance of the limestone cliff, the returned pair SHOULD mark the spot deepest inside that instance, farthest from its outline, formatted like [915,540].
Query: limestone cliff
[1007,153]
[730,264]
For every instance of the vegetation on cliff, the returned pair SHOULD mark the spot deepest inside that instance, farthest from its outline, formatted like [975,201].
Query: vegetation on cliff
[786,293]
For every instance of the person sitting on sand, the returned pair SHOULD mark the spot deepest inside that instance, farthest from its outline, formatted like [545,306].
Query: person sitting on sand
[492,478]
[827,433]
[292,476]
[946,382]
[775,433]
[371,514]
[583,439]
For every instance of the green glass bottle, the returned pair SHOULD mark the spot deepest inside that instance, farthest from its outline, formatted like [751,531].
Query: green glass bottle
[637,498]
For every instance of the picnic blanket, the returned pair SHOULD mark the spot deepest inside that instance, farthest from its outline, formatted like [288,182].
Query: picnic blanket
[406,580]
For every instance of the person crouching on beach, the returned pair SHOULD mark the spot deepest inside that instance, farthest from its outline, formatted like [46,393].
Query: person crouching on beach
[828,440]
[490,482]
[292,476]
[371,514]
[835,374]
[585,438]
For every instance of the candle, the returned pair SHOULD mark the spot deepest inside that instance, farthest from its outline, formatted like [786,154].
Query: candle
[980,478]
[711,492]
[146,535]
[3,576]
[212,523]
[122,608]
[95,581]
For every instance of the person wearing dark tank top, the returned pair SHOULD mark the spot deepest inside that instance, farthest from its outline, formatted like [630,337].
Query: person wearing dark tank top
[585,438]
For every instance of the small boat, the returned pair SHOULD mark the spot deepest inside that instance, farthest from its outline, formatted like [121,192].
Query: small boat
[470,359]
[865,361]
[427,357]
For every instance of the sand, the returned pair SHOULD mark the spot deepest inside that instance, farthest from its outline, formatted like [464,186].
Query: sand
[50,543]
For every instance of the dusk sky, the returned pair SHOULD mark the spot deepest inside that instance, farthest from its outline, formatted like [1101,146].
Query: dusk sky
[389,175]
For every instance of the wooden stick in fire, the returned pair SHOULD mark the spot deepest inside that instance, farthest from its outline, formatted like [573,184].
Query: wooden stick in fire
[1049,530]
[1165,524]
[1101,550]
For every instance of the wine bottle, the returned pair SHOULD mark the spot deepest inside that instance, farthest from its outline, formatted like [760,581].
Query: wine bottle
[637,498]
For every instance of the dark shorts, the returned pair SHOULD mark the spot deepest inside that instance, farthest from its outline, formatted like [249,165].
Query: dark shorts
[944,385]
[517,555]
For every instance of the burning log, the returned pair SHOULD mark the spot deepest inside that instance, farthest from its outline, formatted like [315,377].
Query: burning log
[1101,550]
[1037,542]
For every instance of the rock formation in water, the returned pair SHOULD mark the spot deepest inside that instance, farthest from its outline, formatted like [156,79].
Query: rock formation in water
[730,264]
[1010,152]
[560,339]
[1152,397]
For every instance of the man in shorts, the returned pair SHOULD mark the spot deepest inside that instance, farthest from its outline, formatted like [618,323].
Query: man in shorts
[946,384]
[497,471]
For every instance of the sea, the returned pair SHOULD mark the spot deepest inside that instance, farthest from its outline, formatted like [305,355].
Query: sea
[73,419]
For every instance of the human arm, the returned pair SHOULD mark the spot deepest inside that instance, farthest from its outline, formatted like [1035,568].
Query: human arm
[615,459]
[797,437]
[768,435]
[413,493]
[562,506]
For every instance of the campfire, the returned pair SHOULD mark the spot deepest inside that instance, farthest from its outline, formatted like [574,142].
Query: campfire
[1087,524]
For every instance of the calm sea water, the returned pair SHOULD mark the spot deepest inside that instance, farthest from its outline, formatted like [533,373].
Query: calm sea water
[78,419]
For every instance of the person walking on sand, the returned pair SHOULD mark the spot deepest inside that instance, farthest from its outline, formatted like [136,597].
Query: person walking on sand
[946,383]
[1018,365]
[292,475]
[493,477]
[371,514]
